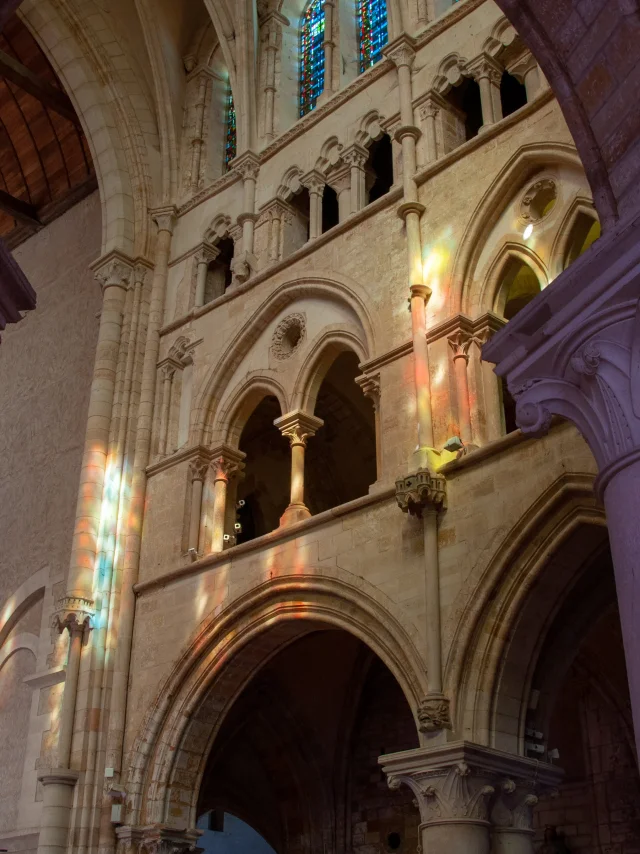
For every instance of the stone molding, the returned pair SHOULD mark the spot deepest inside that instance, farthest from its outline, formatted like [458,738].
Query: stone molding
[370,385]
[156,839]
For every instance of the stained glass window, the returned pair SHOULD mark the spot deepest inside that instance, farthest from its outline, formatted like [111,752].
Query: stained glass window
[372,31]
[311,56]
[230,137]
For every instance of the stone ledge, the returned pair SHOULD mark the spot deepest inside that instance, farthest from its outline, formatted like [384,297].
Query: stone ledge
[267,541]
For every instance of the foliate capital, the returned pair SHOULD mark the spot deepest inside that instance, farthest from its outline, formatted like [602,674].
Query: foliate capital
[226,462]
[73,613]
[247,165]
[461,781]
[114,270]
[314,181]
[486,66]
[298,426]
[355,155]
[421,491]
[460,342]
[164,218]
[198,468]
[206,253]
[401,51]
[159,839]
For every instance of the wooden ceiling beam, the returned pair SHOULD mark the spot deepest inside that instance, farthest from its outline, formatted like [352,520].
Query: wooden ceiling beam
[18,209]
[48,95]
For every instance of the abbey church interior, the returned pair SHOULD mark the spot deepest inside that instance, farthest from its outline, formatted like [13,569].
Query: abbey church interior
[319,426]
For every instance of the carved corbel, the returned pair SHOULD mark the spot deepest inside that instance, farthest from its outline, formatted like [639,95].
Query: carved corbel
[419,491]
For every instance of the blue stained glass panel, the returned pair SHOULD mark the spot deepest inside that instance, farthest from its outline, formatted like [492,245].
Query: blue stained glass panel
[230,137]
[372,31]
[311,56]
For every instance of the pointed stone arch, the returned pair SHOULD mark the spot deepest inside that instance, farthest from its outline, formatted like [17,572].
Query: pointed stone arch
[474,673]
[212,391]
[465,295]
[322,352]
[492,299]
[169,755]
[581,206]
[242,401]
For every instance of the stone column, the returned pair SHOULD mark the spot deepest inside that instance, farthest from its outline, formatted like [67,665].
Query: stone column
[197,472]
[167,372]
[402,54]
[57,800]
[487,420]
[272,37]
[460,343]
[75,622]
[297,426]
[525,69]
[370,385]
[488,73]
[225,465]
[247,165]
[457,784]
[423,494]
[315,182]
[356,157]
[575,352]
[328,45]
[205,254]
[113,273]
[429,111]
[340,180]
[198,129]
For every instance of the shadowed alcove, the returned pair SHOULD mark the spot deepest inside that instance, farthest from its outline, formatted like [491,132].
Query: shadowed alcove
[296,757]
[341,457]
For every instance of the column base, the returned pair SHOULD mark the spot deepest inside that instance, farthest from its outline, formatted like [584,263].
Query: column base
[58,786]
[294,513]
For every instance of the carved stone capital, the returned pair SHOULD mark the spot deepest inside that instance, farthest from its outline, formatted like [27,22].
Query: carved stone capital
[114,270]
[165,218]
[226,463]
[298,426]
[434,713]
[339,179]
[142,272]
[182,351]
[314,181]
[247,165]
[355,155]
[401,51]
[73,613]
[129,839]
[198,468]
[430,105]
[459,343]
[206,253]
[521,65]
[485,66]
[421,491]
[370,385]
[458,782]
[158,839]
[514,803]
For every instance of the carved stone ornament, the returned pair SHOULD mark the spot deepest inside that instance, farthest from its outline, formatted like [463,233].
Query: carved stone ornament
[434,714]
[156,839]
[182,350]
[420,491]
[116,272]
[298,426]
[223,468]
[456,793]
[73,613]
[198,468]
[538,200]
[288,336]
[247,165]
[513,807]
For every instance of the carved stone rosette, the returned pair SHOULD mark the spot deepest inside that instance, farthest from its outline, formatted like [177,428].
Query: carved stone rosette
[419,491]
